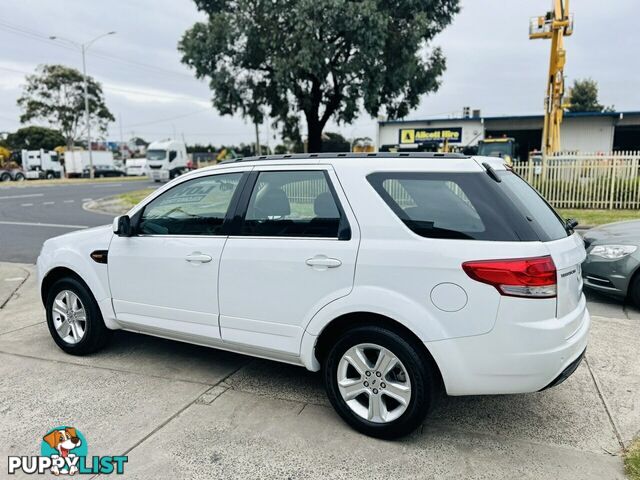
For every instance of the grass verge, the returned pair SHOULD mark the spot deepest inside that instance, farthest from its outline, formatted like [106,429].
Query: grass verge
[71,181]
[131,199]
[592,218]
[632,461]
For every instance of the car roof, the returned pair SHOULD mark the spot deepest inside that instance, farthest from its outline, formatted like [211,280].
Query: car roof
[418,161]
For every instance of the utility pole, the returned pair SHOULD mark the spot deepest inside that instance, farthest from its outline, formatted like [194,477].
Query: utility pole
[83,49]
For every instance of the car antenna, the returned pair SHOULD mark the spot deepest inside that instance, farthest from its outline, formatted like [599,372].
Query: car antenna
[491,172]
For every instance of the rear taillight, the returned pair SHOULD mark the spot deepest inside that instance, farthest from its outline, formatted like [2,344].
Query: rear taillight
[518,277]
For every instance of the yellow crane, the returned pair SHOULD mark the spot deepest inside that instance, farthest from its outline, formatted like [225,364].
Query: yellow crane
[555,25]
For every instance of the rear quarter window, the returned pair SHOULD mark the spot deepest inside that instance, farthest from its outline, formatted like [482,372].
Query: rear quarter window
[469,206]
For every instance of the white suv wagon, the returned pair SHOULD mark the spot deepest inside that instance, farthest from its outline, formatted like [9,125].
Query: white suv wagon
[394,274]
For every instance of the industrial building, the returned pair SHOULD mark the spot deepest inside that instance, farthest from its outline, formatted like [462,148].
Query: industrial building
[586,132]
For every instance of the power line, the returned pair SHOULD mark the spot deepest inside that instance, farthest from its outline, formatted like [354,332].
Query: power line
[167,119]
[35,35]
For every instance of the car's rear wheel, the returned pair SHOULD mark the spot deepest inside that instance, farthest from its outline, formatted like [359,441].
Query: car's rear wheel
[74,319]
[378,382]
[19,177]
[5,177]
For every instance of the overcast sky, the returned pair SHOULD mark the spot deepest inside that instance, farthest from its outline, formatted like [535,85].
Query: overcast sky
[492,65]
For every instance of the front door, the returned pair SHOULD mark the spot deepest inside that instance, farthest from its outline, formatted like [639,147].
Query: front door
[293,252]
[164,277]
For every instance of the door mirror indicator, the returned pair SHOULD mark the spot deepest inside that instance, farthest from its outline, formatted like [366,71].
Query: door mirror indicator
[122,226]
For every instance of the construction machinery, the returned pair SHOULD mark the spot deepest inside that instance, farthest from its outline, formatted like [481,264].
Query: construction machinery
[555,25]
[503,147]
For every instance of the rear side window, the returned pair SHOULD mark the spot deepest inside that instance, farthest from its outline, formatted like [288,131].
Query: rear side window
[293,204]
[468,206]
[544,220]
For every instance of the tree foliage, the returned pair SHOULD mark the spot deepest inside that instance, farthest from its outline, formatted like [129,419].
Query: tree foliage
[319,58]
[55,95]
[583,97]
[34,138]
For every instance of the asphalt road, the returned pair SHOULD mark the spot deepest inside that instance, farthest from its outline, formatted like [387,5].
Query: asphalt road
[31,214]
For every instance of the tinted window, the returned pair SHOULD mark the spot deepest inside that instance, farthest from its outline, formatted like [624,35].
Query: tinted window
[456,205]
[547,224]
[196,207]
[292,204]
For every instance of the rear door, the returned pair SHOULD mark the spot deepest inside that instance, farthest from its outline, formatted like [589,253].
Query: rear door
[294,251]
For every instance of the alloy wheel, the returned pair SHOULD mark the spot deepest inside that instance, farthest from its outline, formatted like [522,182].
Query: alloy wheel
[374,383]
[69,317]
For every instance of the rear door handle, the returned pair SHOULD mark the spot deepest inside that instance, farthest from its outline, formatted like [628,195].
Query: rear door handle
[322,262]
[197,257]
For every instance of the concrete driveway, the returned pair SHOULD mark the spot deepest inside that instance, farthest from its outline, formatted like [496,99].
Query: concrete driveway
[181,411]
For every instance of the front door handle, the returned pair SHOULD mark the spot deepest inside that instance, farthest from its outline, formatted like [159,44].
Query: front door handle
[197,257]
[322,262]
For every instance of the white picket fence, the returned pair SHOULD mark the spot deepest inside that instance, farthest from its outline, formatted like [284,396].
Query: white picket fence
[586,180]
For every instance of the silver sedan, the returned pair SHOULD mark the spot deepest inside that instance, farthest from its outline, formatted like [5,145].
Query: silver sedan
[613,260]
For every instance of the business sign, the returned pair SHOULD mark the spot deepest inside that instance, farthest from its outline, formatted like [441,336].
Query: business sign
[431,135]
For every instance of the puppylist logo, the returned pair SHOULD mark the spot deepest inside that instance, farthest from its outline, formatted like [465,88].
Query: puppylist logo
[64,451]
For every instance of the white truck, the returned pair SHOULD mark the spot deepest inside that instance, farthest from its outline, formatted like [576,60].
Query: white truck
[136,167]
[41,164]
[77,161]
[166,159]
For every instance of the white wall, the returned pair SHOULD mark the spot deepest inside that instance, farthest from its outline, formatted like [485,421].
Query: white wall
[587,134]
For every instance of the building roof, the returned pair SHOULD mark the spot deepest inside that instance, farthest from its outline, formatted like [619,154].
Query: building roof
[512,117]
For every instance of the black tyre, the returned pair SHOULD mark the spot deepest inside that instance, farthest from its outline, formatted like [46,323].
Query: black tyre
[5,177]
[634,289]
[74,319]
[378,382]
[18,177]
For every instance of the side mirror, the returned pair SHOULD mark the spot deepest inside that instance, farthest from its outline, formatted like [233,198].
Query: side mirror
[122,226]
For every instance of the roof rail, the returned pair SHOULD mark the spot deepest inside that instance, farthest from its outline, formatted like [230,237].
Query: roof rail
[306,156]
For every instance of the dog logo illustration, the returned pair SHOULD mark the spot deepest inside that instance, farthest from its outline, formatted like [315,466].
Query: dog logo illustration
[64,451]
[64,443]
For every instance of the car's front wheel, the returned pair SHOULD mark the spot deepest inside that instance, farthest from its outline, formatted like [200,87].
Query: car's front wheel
[74,319]
[378,382]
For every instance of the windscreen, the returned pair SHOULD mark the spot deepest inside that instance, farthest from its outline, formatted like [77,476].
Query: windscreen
[156,154]
[494,149]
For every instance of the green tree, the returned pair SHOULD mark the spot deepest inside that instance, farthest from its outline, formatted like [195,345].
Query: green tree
[583,97]
[320,58]
[334,142]
[55,95]
[34,138]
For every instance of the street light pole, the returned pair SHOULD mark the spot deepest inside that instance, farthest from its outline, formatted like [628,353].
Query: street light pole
[83,49]
[86,109]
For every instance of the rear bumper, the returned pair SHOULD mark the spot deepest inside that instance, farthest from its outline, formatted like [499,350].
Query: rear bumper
[515,357]
[567,372]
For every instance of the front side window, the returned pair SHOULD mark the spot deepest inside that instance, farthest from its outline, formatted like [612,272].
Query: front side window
[195,207]
[292,204]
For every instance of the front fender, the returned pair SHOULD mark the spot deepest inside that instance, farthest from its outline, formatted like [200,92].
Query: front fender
[95,275]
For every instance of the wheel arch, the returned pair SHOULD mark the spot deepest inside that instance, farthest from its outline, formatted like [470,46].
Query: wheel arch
[53,276]
[347,321]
